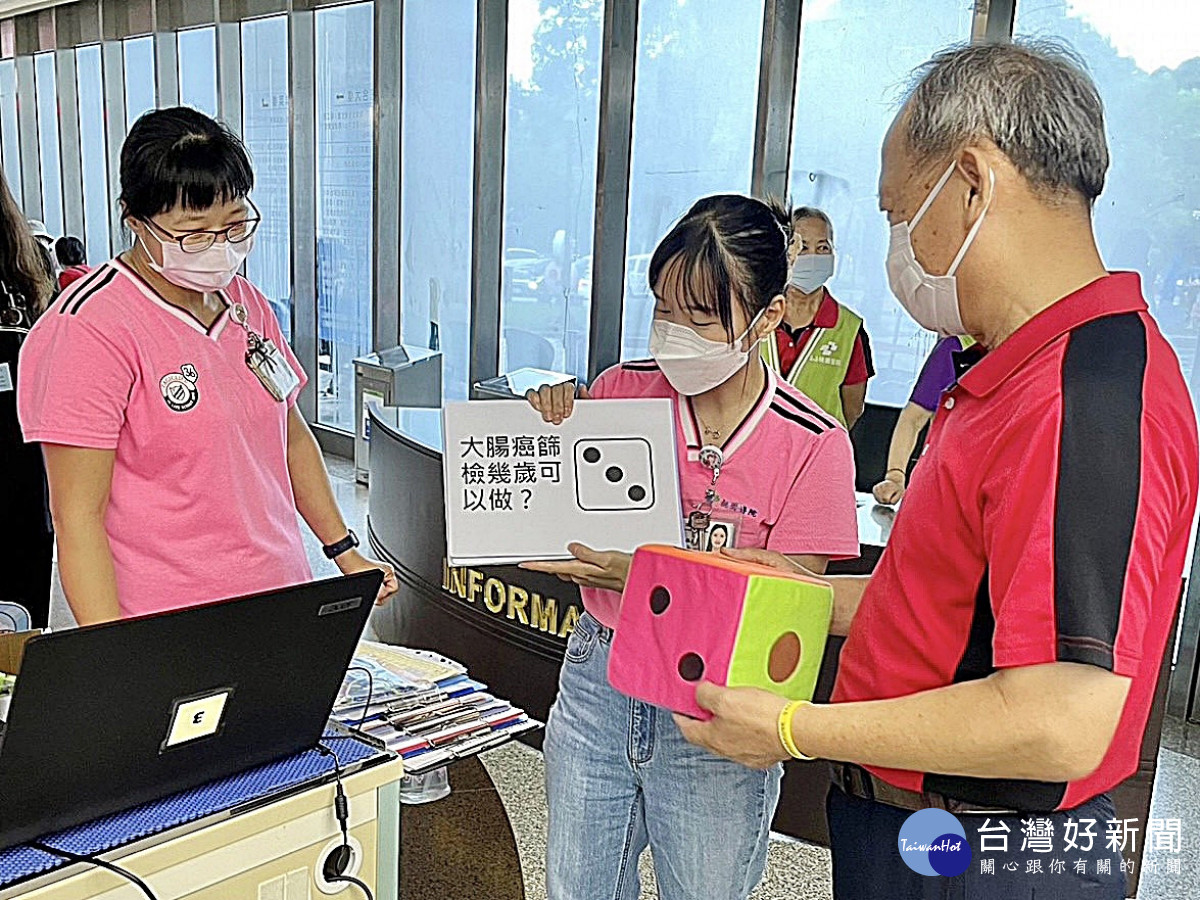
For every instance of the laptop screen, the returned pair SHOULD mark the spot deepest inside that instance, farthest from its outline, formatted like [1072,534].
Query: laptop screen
[138,709]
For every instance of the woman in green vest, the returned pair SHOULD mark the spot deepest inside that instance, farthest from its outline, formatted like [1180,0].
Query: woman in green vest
[821,347]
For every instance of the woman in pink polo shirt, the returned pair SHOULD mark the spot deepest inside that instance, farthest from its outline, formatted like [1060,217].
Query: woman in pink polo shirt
[619,775]
[163,394]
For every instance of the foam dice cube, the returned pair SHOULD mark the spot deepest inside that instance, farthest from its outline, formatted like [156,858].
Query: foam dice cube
[687,616]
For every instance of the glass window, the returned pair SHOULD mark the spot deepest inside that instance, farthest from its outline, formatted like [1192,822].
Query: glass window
[198,69]
[1147,219]
[693,129]
[46,88]
[345,134]
[436,184]
[1145,59]
[10,145]
[549,181]
[266,133]
[855,59]
[141,89]
[92,152]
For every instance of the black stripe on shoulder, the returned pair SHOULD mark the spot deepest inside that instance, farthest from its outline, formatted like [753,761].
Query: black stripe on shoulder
[640,366]
[792,417]
[92,290]
[806,410]
[73,291]
[1099,480]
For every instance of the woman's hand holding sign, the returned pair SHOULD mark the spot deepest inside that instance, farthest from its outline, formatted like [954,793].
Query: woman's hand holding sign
[556,402]
[605,569]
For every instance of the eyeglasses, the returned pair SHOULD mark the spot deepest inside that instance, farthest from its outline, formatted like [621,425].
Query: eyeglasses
[199,241]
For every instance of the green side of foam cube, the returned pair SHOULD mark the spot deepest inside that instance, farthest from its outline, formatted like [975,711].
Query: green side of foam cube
[773,608]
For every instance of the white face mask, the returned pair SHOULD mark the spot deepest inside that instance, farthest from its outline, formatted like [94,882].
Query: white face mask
[932,300]
[810,271]
[207,271]
[694,364]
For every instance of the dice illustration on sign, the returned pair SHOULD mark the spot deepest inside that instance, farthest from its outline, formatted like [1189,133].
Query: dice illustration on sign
[689,616]
[614,474]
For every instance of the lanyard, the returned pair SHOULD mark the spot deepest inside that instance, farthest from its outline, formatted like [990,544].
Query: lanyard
[711,458]
[238,313]
[264,359]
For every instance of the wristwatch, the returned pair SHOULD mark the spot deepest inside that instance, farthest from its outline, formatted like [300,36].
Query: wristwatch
[349,542]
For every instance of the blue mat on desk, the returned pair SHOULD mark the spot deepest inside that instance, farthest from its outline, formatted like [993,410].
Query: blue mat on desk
[110,832]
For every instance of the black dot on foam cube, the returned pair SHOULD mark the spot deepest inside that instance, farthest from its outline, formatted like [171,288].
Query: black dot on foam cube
[660,599]
[592,455]
[784,658]
[614,474]
[691,667]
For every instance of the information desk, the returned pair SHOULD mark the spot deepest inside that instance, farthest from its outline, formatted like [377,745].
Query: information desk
[264,833]
[509,626]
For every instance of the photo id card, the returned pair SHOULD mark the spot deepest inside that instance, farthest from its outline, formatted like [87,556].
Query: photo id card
[271,368]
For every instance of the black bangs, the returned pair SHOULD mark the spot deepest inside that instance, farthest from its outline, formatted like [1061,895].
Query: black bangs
[199,172]
[694,274]
[181,158]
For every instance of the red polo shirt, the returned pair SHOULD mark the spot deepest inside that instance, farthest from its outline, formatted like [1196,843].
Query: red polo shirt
[1060,480]
[792,343]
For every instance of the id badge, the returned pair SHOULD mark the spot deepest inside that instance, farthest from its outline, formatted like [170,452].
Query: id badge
[272,368]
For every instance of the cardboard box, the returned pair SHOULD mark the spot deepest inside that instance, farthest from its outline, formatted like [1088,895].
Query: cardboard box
[12,650]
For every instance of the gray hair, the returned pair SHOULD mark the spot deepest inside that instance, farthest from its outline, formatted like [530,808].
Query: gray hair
[801,213]
[1032,99]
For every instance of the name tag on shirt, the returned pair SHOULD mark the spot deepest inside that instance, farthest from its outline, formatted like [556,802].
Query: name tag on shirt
[272,369]
[710,533]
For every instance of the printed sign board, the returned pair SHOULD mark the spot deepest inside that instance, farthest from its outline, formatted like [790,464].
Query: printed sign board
[520,489]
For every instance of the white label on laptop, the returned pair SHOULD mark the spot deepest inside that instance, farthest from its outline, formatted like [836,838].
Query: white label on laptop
[5,378]
[196,718]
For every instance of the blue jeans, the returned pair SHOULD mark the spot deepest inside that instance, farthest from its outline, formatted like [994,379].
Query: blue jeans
[620,777]
[867,863]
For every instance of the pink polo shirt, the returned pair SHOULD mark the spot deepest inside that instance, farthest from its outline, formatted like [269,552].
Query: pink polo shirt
[787,483]
[201,505]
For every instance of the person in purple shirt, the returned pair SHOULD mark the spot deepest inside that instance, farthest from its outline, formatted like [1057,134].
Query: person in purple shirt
[937,375]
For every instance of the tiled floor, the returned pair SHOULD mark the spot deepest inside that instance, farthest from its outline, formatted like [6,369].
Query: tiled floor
[795,871]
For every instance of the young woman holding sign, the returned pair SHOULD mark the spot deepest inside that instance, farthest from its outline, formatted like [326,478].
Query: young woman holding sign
[770,468]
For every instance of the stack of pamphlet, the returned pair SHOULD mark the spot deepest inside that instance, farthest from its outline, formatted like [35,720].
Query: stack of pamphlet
[424,707]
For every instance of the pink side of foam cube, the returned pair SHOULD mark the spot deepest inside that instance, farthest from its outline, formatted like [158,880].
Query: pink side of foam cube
[702,618]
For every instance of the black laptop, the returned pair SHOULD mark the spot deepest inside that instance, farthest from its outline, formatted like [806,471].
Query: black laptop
[107,717]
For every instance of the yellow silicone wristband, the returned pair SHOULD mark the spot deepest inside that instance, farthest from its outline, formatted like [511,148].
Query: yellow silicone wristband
[785,730]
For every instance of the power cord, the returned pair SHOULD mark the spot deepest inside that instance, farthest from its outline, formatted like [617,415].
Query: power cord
[370,692]
[336,864]
[98,863]
[350,879]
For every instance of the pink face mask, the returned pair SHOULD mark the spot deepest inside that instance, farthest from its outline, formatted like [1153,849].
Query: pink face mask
[207,271]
